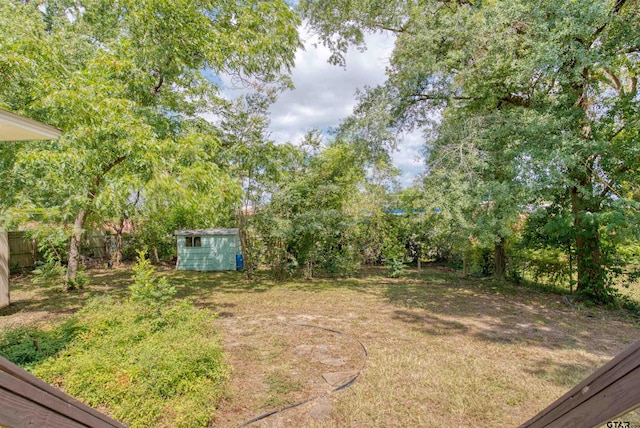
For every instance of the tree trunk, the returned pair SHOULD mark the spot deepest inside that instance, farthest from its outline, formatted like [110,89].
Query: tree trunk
[308,270]
[117,259]
[499,259]
[570,269]
[591,273]
[78,226]
[74,249]
[244,243]
[154,256]
[116,256]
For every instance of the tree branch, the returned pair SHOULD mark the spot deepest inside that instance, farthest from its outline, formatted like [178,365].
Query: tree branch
[392,29]
[615,79]
[608,188]
[109,167]
[156,88]
[614,11]
[582,101]
[618,6]
[516,100]
[427,97]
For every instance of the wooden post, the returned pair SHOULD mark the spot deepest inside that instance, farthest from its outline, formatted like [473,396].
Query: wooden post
[4,269]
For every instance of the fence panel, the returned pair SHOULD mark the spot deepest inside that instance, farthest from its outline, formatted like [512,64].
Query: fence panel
[22,251]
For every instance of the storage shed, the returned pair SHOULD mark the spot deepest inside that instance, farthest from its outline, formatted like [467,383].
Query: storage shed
[207,249]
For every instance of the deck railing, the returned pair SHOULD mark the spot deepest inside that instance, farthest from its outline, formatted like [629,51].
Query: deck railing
[609,393]
[26,401]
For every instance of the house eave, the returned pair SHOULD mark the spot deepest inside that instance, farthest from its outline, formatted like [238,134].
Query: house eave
[14,127]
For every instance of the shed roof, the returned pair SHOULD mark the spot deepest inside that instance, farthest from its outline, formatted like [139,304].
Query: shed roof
[217,231]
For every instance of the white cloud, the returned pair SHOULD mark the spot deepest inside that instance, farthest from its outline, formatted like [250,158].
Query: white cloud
[408,158]
[324,95]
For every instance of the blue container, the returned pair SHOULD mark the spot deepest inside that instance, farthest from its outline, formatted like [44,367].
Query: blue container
[239,262]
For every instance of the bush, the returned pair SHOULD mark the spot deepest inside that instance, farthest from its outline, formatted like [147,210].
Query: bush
[341,263]
[51,268]
[395,267]
[28,346]
[143,374]
[549,266]
[153,294]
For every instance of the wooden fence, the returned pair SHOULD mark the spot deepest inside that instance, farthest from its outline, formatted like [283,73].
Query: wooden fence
[29,402]
[609,393]
[95,246]
[23,252]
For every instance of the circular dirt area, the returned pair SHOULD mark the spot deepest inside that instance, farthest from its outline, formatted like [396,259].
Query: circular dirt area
[293,364]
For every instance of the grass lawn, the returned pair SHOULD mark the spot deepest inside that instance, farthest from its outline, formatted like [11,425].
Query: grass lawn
[441,350]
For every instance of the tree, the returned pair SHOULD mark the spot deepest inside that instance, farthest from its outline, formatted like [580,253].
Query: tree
[115,210]
[122,80]
[494,197]
[188,188]
[306,225]
[562,77]
[376,231]
[257,161]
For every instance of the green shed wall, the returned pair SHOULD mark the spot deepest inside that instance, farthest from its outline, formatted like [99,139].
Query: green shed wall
[218,252]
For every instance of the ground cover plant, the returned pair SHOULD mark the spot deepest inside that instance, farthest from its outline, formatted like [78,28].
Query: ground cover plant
[143,359]
[142,373]
[442,349]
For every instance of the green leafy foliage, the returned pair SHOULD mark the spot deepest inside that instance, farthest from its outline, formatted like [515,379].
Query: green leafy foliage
[152,293]
[522,104]
[395,266]
[142,374]
[29,346]
[51,241]
[306,226]
[549,266]
[127,82]
[81,279]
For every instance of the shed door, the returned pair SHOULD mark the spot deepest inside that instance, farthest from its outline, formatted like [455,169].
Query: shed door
[224,252]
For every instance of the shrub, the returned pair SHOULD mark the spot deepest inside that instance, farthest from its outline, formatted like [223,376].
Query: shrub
[152,293]
[395,267]
[28,346]
[341,263]
[50,268]
[145,375]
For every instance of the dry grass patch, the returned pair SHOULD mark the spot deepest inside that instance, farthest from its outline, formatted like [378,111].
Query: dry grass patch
[464,352]
[443,350]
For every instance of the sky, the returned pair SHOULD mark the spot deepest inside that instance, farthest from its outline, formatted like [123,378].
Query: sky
[324,94]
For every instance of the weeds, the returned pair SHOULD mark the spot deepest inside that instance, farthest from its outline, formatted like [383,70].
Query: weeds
[152,293]
[280,386]
[29,346]
[395,267]
[145,375]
